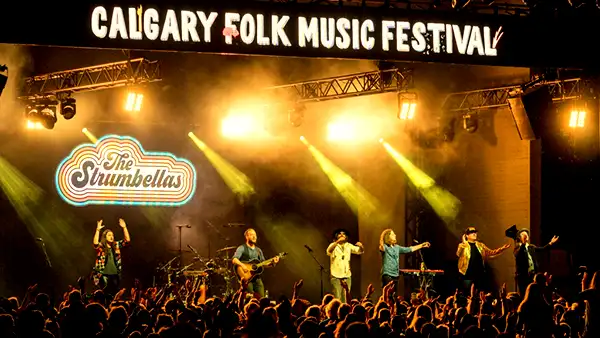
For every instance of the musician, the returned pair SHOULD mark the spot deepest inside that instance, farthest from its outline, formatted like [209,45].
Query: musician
[472,256]
[108,267]
[249,252]
[390,255]
[526,262]
[339,253]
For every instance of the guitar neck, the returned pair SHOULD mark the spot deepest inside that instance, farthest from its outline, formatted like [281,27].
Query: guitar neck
[263,263]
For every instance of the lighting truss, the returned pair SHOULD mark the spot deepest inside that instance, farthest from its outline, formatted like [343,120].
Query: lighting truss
[361,84]
[561,90]
[504,8]
[110,75]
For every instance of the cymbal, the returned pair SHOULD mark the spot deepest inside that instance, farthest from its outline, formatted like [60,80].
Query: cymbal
[229,248]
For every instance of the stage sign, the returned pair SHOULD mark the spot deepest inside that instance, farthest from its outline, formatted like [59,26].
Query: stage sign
[117,170]
[304,30]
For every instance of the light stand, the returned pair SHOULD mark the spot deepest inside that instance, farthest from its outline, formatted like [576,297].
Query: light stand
[322,269]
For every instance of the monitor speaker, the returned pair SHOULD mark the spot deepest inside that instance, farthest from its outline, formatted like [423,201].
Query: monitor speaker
[529,112]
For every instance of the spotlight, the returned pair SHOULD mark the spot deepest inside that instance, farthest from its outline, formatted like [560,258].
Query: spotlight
[41,113]
[577,119]
[470,123]
[407,106]
[134,102]
[296,115]
[68,108]
[380,140]
[302,138]
[3,77]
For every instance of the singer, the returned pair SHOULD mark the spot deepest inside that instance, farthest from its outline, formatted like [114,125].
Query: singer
[390,256]
[339,253]
[108,268]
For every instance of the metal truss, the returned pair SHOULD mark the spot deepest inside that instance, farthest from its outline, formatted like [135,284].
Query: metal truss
[110,75]
[375,82]
[478,7]
[561,90]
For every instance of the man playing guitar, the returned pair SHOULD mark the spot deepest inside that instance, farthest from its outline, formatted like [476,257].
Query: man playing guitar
[250,252]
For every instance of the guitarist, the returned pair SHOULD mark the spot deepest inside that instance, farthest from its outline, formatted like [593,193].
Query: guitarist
[248,252]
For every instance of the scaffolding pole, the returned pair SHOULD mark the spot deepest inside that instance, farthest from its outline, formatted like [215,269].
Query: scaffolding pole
[110,75]
[562,90]
[361,84]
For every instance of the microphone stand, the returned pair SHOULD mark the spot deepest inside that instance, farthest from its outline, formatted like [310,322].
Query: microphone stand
[218,233]
[424,279]
[46,254]
[321,269]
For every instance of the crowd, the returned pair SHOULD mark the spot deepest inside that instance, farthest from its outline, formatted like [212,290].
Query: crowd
[185,311]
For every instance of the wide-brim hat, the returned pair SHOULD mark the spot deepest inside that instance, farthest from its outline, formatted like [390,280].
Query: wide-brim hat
[521,231]
[470,230]
[337,232]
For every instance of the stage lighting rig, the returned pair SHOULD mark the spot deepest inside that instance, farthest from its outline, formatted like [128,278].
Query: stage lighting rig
[470,123]
[3,77]
[296,115]
[407,106]
[68,108]
[41,112]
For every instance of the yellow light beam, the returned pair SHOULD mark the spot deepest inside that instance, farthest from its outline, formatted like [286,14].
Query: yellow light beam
[89,135]
[445,205]
[358,198]
[236,180]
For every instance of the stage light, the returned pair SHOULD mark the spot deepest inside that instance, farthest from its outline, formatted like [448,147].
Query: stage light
[3,77]
[34,125]
[302,138]
[407,106]
[380,140]
[240,126]
[342,130]
[68,108]
[470,123]
[134,102]
[577,119]
[42,112]
[296,115]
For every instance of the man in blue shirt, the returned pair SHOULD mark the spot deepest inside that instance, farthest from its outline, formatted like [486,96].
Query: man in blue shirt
[390,254]
[250,252]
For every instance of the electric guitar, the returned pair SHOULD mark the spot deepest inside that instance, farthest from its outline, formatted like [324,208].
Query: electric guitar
[255,268]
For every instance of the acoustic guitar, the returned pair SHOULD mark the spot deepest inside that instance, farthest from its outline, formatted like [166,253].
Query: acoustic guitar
[255,268]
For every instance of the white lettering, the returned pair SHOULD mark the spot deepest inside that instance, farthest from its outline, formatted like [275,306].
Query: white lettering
[308,32]
[278,30]
[487,37]
[99,14]
[230,18]
[343,41]
[261,39]
[151,27]
[419,44]
[117,24]
[386,35]
[247,29]
[170,27]
[188,26]
[327,32]
[435,29]
[401,37]
[207,23]
[368,42]
[355,34]
[462,39]
[475,42]
[449,40]
[134,31]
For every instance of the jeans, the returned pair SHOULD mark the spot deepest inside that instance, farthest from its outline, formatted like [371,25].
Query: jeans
[110,284]
[386,279]
[338,290]
[256,288]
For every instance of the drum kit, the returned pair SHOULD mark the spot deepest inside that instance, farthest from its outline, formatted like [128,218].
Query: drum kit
[216,272]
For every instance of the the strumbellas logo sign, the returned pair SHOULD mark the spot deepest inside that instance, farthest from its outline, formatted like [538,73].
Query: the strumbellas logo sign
[117,170]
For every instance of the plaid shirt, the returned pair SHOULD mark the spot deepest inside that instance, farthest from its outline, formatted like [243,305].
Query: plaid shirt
[101,259]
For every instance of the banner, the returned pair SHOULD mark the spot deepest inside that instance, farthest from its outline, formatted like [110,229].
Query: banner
[117,170]
[257,28]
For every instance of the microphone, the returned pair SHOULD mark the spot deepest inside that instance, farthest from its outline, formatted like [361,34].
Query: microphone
[183,226]
[415,241]
[308,248]
[39,239]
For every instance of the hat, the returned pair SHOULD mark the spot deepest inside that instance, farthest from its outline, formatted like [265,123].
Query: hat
[470,230]
[522,230]
[337,232]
